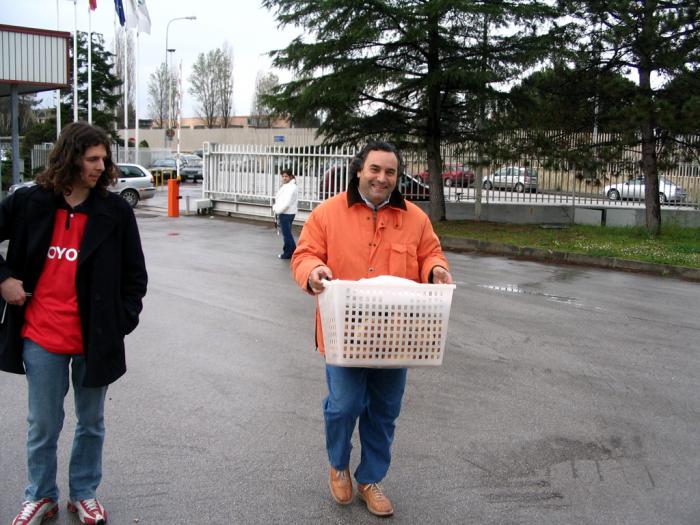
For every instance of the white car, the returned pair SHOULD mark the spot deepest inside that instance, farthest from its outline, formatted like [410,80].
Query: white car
[634,190]
[134,183]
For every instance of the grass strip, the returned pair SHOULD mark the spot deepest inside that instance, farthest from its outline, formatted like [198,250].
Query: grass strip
[676,246]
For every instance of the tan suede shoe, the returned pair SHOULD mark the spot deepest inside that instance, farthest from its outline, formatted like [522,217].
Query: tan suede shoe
[341,485]
[377,503]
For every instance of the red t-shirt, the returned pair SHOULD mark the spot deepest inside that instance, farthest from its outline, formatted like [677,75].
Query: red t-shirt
[52,319]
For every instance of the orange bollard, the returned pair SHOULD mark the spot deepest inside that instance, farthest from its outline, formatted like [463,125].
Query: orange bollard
[173,198]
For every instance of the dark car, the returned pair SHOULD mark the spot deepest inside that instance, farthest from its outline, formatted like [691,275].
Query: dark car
[334,180]
[413,188]
[454,174]
[191,168]
[164,168]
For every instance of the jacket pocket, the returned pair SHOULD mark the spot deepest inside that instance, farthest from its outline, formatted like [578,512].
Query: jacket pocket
[403,261]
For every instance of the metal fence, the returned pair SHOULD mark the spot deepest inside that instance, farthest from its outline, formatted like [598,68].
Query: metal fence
[250,174]
[145,157]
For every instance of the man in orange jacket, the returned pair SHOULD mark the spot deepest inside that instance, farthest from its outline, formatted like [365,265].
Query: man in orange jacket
[367,231]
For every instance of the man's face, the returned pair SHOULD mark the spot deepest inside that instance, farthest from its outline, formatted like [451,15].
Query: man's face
[92,166]
[378,176]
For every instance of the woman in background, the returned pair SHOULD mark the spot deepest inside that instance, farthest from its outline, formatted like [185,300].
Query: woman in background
[285,208]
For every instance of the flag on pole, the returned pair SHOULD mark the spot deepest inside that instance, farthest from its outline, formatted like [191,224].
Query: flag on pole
[119,6]
[139,17]
[93,5]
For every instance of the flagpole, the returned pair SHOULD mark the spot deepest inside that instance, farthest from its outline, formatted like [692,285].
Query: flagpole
[179,119]
[126,93]
[58,91]
[89,86]
[136,96]
[115,91]
[75,61]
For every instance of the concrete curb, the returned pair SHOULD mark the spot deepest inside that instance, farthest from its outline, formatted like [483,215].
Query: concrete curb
[462,245]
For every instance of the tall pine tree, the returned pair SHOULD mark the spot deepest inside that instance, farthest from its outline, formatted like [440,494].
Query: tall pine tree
[657,41]
[418,72]
[105,95]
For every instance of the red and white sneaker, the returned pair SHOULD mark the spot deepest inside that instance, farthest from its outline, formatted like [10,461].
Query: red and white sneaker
[35,512]
[90,511]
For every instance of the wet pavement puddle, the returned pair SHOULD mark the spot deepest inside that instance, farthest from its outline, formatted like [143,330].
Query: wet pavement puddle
[515,289]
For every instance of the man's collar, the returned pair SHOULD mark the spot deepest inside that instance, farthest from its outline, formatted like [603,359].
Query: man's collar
[371,205]
[396,200]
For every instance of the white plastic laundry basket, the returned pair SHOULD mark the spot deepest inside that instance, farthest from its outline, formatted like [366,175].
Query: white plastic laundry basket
[385,322]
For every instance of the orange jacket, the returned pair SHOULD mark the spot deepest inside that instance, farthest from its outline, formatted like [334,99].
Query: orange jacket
[355,242]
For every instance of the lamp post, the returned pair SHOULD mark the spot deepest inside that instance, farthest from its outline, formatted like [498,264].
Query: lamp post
[167,68]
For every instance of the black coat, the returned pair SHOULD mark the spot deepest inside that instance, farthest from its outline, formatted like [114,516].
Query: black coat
[110,282]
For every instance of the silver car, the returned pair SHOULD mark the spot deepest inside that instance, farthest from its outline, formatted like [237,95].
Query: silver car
[512,178]
[634,190]
[134,183]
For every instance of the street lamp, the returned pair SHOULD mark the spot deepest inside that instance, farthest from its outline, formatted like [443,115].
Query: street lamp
[167,68]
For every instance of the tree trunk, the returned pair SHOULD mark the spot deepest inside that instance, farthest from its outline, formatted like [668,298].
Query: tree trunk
[649,164]
[437,195]
[433,135]
[651,180]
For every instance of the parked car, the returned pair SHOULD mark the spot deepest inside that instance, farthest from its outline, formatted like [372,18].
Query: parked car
[191,167]
[334,180]
[165,168]
[512,178]
[19,185]
[413,188]
[453,175]
[634,190]
[134,183]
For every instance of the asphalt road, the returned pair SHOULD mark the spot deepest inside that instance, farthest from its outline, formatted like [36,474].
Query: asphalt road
[567,396]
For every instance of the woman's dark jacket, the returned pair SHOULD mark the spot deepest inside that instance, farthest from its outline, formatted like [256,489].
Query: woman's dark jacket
[110,282]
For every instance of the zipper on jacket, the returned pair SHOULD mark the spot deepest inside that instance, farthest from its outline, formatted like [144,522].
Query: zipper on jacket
[68,217]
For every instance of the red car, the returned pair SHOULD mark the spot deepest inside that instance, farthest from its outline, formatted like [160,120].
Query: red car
[454,175]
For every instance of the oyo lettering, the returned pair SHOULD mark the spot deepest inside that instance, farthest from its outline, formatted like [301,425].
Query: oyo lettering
[71,254]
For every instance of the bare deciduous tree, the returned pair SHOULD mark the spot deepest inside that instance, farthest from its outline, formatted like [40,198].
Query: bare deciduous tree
[212,86]
[260,111]
[27,117]
[204,80]
[158,84]
[224,75]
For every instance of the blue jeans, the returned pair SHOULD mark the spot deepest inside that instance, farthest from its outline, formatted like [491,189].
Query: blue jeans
[286,227]
[374,396]
[47,378]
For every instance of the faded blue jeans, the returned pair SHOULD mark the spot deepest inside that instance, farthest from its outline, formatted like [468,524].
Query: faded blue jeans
[374,396]
[47,378]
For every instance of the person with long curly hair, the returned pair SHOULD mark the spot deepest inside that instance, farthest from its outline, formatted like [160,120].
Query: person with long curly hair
[72,285]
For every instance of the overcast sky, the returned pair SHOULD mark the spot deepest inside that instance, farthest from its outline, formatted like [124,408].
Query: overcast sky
[249,29]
